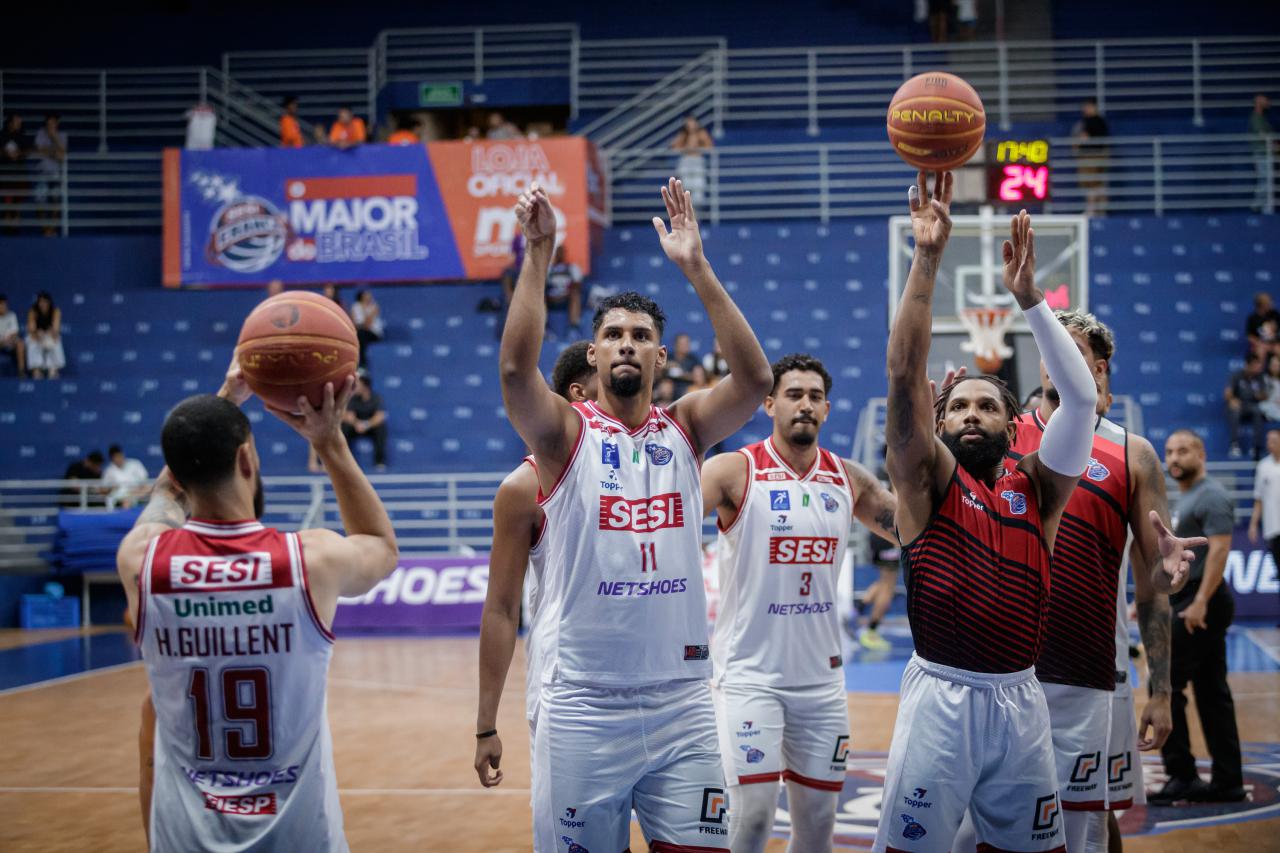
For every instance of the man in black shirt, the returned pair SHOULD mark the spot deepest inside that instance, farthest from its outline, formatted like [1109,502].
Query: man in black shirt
[1263,326]
[365,418]
[1091,150]
[1246,390]
[88,468]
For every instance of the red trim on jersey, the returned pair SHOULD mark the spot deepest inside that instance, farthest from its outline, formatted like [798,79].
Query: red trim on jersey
[666,416]
[746,492]
[295,545]
[542,525]
[668,847]
[1121,805]
[573,457]
[1089,806]
[781,460]
[757,778]
[988,848]
[598,412]
[809,782]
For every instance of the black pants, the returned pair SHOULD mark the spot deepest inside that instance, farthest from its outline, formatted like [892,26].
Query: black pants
[1250,414]
[365,337]
[1201,658]
[378,435]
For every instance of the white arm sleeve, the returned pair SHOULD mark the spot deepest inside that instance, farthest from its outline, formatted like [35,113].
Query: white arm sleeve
[1068,438]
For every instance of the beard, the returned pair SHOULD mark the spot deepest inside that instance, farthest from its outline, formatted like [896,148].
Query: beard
[259,500]
[627,385]
[979,458]
[804,437]
[1053,395]
[1181,474]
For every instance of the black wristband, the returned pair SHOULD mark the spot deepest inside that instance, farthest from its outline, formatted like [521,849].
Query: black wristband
[483,735]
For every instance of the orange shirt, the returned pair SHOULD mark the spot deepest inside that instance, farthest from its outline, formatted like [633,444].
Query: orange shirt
[351,132]
[290,132]
[403,137]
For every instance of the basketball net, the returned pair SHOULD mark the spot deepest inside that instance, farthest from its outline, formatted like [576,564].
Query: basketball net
[987,328]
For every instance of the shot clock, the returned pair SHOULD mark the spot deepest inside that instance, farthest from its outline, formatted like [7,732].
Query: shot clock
[1018,171]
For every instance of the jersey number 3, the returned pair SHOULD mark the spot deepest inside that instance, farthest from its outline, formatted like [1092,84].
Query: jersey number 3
[246,707]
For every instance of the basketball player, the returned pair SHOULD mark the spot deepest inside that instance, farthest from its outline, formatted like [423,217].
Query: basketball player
[1086,686]
[518,527]
[972,728]
[785,510]
[233,621]
[624,714]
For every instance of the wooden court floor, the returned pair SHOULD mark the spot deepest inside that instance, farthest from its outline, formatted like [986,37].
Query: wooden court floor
[402,714]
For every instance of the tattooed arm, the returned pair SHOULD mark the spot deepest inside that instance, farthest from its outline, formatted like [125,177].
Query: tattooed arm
[166,510]
[919,465]
[873,504]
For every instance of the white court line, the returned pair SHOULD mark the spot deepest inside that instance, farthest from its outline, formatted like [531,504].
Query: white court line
[75,676]
[350,792]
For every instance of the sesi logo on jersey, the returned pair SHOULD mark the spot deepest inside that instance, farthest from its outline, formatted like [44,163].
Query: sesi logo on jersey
[242,571]
[642,515]
[802,550]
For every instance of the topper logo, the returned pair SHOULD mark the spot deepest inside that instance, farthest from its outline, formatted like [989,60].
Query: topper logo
[241,571]
[802,550]
[642,515]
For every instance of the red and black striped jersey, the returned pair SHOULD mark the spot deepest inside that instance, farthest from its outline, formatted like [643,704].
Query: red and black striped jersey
[1079,639]
[978,576]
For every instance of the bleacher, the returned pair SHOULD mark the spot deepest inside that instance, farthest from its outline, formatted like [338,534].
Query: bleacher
[1175,289]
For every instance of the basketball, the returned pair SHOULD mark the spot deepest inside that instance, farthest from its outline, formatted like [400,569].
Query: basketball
[292,344]
[936,121]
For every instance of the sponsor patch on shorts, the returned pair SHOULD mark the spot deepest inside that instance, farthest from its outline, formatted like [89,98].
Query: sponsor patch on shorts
[696,652]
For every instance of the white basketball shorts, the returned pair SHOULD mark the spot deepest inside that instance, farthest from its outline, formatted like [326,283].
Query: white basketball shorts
[1124,763]
[800,734]
[970,740]
[1081,721]
[599,752]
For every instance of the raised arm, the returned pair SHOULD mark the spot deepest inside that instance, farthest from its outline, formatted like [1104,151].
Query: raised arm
[1068,439]
[918,463]
[715,414]
[545,420]
[355,563]
[873,504]
[515,516]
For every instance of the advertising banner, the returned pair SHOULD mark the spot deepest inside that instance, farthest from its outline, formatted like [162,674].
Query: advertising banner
[443,211]
[423,595]
[1251,575]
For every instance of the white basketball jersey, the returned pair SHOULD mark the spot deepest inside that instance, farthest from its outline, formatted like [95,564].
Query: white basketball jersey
[238,662]
[778,623]
[533,590]
[622,588]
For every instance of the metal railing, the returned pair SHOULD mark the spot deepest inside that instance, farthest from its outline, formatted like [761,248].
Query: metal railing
[1152,174]
[614,72]
[115,190]
[322,80]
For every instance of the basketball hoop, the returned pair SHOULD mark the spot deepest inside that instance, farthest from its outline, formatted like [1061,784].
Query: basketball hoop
[987,328]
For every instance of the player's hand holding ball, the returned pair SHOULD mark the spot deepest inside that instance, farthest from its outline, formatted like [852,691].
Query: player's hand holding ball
[324,425]
[534,213]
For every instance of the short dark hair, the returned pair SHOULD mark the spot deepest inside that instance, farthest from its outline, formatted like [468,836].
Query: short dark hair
[289,99]
[95,456]
[1011,406]
[54,116]
[800,361]
[4,297]
[1035,392]
[200,439]
[1253,357]
[1196,440]
[114,449]
[572,366]
[630,301]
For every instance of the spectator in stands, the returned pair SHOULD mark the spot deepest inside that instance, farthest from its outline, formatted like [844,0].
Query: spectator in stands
[1244,395]
[45,355]
[1271,406]
[290,129]
[664,392]
[1033,399]
[330,291]
[275,287]
[691,142]
[939,18]
[1264,169]
[966,19]
[125,480]
[1201,613]
[10,337]
[51,153]
[714,364]
[1092,153]
[14,147]
[1266,497]
[680,364]
[202,127]
[348,130]
[564,290]
[406,133]
[700,380]
[88,468]
[500,128]
[366,418]
[1262,327]
[367,315]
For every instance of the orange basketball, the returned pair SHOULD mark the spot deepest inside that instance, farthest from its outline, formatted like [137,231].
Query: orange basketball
[936,121]
[292,344]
